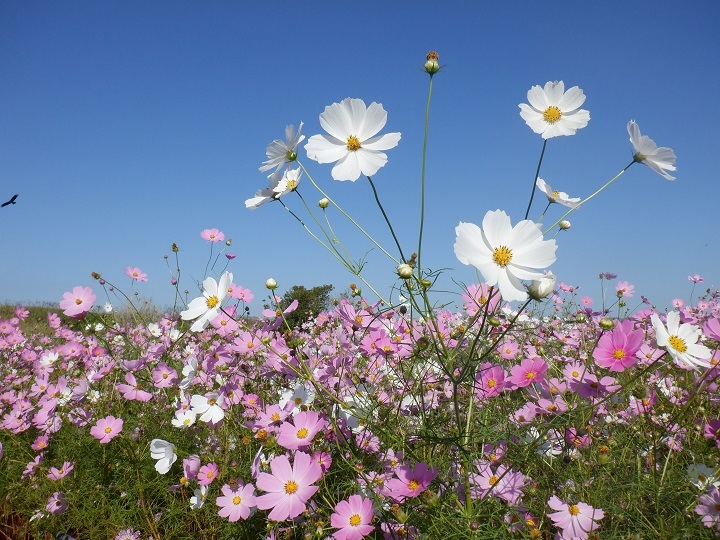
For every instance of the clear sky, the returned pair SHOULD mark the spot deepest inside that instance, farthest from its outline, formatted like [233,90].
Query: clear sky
[127,126]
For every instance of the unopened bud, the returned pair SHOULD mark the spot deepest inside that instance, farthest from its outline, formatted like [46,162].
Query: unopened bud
[95,275]
[432,65]
[541,288]
[564,225]
[324,203]
[405,271]
[606,323]
[271,284]
[175,248]
[494,321]
[228,242]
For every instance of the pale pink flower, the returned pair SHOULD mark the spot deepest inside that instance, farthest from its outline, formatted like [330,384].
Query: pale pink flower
[352,518]
[77,303]
[135,273]
[212,235]
[236,503]
[106,429]
[289,488]
[575,520]
[56,504]
[300,433]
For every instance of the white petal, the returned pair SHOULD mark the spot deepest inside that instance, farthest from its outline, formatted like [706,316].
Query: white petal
[347,168]
[370,161]
[571,100]
[383,142]
[537,98]
[335,119]
[372,122]
[497,228]
[554,91]
[325,149]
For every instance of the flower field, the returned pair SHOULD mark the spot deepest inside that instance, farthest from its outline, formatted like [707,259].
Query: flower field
[531,412]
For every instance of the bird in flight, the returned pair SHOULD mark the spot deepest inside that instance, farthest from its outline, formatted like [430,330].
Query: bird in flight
[11,201]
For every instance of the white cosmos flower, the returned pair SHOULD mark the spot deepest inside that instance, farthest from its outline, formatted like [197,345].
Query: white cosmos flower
[659,160]
[198,498]
[184,419]
[164,452]
[680,340]
[541,288]
[289,183]
[553,112]
[505,254]
[279,153]
[205,308]
[352,141]
[555,196]
[266,195]
[209,407]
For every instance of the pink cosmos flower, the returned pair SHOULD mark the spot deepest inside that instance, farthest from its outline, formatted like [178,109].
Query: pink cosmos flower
[617,350]
[489,381]
[300,433]
[575,520]
[207,474]
[212,235]
[624,289]
[191,467]
[695,279]
[77,303]
[135,273]
[410,482]
[709,508]
[132,391]
[56,504]
[352,518]
[106,429]
[236,503]
[289,488]
[530,370]
[62,472]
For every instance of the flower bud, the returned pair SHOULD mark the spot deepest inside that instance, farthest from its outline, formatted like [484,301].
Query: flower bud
[175,248]
[494,321]
[95,275]
[431,64]
[564,225]
[228,242]
[541,288]
[271,284]
[405,271]
[606,323]
[324,203]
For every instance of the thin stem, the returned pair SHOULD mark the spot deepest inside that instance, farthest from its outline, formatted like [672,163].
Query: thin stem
[422,177]
[377,200]
[537,174]
[618,175]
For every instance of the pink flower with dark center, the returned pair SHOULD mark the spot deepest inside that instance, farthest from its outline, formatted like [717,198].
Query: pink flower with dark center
[56,504]
[709,508]
[131,390]
[212,235]
[289,488]
[352,518]
[62,472]
[106,429]
[77,303]
[530,370]
[135,273]
[617,350]
[236,503]
[575,520]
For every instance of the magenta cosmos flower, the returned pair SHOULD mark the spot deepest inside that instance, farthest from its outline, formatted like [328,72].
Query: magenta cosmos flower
[236,503]
[77,303]
[352,518]
[212,235]
[106,429]
[616,350]
[289,488]
[300,433]
[135,273]
[575,520]
[410,482]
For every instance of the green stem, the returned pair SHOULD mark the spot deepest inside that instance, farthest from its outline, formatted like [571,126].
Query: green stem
[377,200]
[537,174]
[422,177]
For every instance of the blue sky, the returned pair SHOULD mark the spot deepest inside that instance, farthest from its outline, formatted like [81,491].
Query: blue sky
[127,126]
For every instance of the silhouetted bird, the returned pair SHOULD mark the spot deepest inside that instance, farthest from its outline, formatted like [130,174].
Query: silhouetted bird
[11,201]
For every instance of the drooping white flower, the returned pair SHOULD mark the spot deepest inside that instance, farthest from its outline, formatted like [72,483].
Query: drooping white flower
[352,142]
[205,308]
[288,183]
[541,288]
[266,195]
[680,340]
[553,111]
[660,159]
[280,153]
[505,254]
[555,196]
[164,452]
[198,499]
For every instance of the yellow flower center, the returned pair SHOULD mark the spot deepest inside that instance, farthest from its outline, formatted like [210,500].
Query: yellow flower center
[291,184]
[108,430]
[502,256]
[236,500]
[78,301]
[275,417]
[302,433]
[618,354]
[573,510]
[353,143]
[413,485]
[291,487]
[530,375]
[355,520]
[555,194]
[552,114]
[678,344]
[491,383]
[212,302]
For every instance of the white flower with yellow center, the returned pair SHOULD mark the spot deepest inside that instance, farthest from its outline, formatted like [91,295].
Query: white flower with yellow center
[505,254]
[660,159]
[681,341]
[555,196]
[280,153]
[206,307]
[352,141]
[289,183]
[553,111]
